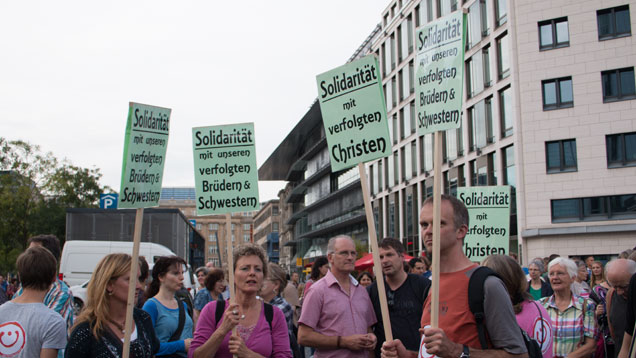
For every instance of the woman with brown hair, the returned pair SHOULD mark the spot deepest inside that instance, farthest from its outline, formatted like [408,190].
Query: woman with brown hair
[214,286]
[173,325]
[99,330]
[531,316]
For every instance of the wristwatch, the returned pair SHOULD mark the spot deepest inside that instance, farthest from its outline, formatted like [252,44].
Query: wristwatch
[465,353]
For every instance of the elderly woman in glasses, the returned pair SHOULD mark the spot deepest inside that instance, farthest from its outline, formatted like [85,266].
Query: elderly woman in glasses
[572,316]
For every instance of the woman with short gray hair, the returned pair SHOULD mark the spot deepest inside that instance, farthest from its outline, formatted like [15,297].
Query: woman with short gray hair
[537,287]
[572,316]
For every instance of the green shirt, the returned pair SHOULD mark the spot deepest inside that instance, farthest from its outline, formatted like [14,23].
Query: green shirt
[536,294]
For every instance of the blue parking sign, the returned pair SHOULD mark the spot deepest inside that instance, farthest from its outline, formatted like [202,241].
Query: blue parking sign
[108,201]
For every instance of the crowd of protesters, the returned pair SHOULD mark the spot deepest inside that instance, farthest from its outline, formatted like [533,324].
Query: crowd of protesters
[559,307]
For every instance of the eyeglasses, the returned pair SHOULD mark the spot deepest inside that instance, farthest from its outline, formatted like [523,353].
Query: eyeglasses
[347,253]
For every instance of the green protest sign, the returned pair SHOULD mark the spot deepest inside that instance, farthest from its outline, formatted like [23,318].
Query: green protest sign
[225,172]
[439,77]
[489,220]
[354,113]
[144,156]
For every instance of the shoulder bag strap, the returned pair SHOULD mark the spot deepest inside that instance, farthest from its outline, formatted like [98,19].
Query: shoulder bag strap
[541,320]
[608,304]
[177,334]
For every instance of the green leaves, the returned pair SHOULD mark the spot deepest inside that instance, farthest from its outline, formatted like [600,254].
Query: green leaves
[35,190]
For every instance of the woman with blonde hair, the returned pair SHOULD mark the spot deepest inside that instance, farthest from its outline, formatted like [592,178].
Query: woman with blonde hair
[257,336]
[99,330]
[598,276]
[271,291]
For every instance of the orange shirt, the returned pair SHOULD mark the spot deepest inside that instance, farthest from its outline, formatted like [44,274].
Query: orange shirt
[455,317]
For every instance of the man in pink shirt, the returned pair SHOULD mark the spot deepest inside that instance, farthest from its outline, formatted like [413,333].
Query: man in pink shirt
[337,313]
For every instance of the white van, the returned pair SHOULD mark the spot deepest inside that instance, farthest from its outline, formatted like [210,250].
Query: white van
[80,257]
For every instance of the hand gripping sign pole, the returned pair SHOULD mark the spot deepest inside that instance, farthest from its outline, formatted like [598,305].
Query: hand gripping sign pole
[439,83]
[225,184]
[145,147]
[354,115]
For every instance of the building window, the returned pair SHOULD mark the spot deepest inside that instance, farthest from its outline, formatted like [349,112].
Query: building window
[477,22]
[396,169]
[618,85]
[413,159]
[480,122]
[246,227]
[502,12]
[275,210]
[389,171]
[505,112]
[557,93]
[198,226]
[212,237]
[503,56]
[212,249]
[613,22]
[275,227]
[554,34]
[509,166]
[395,128]
[411,77]
[214,227]
[561,156]
[621,150]
[445,7]
[615,207]
[246,237]
[478,68]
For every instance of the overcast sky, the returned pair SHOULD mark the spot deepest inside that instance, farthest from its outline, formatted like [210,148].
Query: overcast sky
[69,68]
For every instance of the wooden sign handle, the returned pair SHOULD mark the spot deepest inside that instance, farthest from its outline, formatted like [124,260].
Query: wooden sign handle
[377,266]
[132,284]
[437,210]
[230,261]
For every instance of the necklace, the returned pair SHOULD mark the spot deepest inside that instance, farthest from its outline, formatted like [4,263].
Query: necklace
[247,311]
[120,327]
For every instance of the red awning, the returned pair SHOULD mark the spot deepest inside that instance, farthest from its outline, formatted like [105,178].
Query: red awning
[366,261]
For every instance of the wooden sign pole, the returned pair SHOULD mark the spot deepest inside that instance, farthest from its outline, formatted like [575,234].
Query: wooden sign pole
[230,261]
[377,266]
[437,210]
[132,285]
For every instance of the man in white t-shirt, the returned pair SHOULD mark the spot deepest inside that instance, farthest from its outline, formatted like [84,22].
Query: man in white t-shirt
[28,328]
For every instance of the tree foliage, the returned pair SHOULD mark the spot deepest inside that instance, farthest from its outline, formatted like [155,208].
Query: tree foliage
[35,191]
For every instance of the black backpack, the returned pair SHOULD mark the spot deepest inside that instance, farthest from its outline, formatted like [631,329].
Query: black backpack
[476,304]
[269,316]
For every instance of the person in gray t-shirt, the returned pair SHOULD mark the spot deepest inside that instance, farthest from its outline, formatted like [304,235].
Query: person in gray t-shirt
[28,328]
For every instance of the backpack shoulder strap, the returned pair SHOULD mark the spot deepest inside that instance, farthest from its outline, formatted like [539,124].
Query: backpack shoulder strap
[476,300]
[269,314]
[220,308]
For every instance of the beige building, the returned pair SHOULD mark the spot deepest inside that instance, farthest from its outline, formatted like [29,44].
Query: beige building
[573,64]
[548,109]
[213,228]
